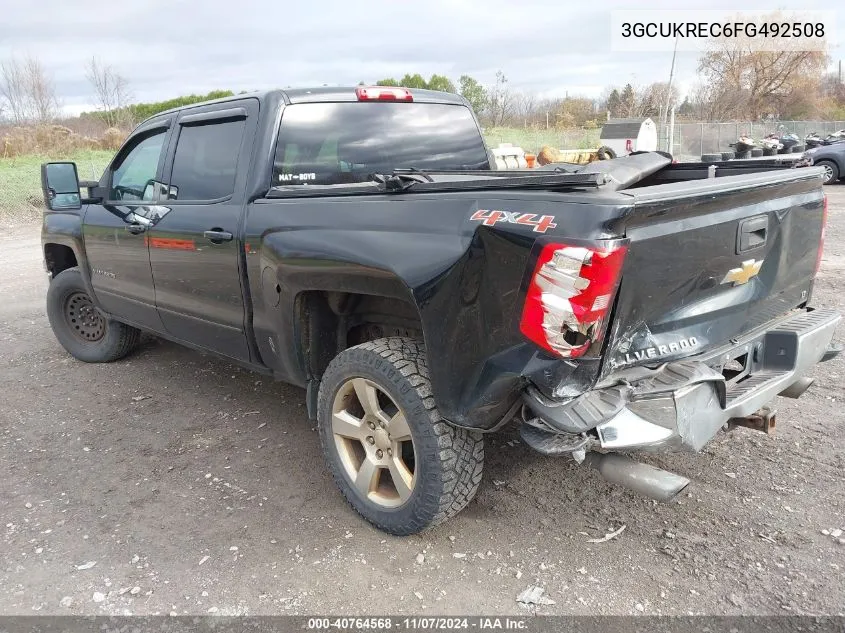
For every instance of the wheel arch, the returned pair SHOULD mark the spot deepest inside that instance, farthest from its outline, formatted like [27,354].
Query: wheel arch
[329,321]
[58,258]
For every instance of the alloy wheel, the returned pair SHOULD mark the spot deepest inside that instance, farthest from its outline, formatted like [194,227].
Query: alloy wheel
[374,442]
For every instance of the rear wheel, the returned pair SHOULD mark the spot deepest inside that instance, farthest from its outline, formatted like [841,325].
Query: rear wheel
[831,171]
[85,332]
[397,462]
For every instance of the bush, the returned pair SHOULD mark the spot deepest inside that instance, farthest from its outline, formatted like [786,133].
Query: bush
[112,139]
[52,140]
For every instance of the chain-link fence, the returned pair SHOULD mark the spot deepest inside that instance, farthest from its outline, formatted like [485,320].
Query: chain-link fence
[20,182]
[691,140]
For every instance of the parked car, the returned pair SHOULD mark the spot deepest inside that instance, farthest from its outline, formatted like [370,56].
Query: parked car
[831,158]
[356,242]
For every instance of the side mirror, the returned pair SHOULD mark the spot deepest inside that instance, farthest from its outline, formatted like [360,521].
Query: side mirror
[60,186]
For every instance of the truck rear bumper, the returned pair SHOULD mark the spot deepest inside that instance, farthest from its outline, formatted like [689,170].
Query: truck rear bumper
[681,405]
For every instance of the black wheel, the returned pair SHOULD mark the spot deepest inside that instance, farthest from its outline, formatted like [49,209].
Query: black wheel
[85,332]
[728,155]
[831,171]
[711,158]
[756,152]
[768,151]
[393,457]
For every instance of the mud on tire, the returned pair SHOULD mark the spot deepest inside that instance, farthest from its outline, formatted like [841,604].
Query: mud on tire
[448,460]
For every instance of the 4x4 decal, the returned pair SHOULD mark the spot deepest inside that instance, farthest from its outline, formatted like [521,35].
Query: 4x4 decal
[491,217]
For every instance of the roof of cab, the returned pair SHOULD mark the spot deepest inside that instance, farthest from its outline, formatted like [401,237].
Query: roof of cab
[321,95]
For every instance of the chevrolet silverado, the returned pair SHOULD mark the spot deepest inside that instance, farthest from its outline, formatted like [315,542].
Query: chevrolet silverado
[359,243]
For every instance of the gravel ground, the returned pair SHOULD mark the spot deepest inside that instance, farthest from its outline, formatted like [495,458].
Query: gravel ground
[171,482]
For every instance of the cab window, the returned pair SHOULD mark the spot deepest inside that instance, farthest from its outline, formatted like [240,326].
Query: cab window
[348,142]
[206,160]
[136,171]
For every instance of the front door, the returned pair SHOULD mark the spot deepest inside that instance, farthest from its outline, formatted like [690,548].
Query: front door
[196,248]
[115,230]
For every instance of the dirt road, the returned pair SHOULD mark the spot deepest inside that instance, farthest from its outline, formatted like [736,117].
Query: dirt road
[171,482]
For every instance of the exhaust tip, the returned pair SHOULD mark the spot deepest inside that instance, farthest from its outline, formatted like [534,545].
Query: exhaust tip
[650,481]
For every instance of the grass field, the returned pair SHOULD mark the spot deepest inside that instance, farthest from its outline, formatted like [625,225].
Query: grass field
[20,180]
[20,177]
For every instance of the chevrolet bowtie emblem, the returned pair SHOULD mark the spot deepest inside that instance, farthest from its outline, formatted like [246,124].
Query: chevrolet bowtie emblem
[741,275]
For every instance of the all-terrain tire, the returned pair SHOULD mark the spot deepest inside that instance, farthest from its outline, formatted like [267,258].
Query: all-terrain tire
[449,460]
[110,341]
[756,152]
[728,155]
[711,158]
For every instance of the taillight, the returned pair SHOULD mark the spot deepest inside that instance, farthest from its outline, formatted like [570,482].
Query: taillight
[570,296]
[380,93]
[821,239]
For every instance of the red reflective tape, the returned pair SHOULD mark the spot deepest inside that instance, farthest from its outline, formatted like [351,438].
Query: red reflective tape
[171,243]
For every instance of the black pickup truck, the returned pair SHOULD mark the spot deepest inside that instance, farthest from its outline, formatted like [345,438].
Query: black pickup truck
[356,242]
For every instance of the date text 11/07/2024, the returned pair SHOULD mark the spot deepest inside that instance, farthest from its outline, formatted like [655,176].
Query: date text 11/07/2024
[418,624]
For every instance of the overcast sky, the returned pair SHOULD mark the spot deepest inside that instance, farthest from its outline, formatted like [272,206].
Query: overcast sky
[167,48]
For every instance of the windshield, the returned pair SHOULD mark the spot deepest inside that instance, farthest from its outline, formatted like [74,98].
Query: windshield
[336,143]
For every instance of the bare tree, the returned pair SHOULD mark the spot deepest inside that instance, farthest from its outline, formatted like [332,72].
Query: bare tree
[112,90]
[754,83]
[501,100]
[29,92]
[13,89]
[525,107]
[42,91]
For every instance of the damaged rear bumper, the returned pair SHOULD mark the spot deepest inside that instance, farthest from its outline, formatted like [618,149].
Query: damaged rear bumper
[681,405]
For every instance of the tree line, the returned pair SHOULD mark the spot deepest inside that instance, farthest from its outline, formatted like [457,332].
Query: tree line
[736,83]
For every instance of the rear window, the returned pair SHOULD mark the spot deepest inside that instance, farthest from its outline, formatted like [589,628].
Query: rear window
[337,143]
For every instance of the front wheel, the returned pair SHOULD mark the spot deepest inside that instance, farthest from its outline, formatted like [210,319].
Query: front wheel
[397,462]
[85,332]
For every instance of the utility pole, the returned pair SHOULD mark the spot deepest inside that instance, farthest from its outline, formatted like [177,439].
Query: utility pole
[671,129]
[665,109]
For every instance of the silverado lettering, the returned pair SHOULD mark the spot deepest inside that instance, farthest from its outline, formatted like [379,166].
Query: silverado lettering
[661,350]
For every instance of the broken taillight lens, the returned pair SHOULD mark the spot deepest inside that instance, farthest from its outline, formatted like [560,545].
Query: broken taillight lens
[570,296]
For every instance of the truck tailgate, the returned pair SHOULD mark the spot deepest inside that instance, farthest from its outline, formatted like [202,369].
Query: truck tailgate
[711,259]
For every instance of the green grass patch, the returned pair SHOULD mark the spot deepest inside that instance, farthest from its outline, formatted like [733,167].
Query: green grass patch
[20,180]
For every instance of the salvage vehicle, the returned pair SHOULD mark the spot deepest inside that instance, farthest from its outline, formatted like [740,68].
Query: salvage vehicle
[831,158]
[357,243]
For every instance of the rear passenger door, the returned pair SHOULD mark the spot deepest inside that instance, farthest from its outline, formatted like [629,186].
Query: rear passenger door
[196,249]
